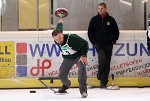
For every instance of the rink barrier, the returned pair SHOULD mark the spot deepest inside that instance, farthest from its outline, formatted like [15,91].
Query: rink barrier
[34,83]
[49,78]
[130,61]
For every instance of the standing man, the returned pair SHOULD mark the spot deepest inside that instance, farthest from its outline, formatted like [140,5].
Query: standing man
[74,51]
[103,33]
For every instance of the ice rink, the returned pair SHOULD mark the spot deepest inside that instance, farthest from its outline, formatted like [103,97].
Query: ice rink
[94,94]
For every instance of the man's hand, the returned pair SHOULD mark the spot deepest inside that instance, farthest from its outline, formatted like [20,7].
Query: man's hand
[61,21]
[112,43]
[83,59]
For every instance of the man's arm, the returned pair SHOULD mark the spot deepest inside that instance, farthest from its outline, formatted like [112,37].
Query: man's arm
[91,32]
[80,43]
[60,25]
[115,31]
[84,49]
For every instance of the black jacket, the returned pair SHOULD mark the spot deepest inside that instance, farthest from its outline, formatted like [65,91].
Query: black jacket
[103,31]
[148,32]
[148,39]
[148,42]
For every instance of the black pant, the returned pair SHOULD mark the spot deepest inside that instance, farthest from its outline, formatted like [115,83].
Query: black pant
[104,59]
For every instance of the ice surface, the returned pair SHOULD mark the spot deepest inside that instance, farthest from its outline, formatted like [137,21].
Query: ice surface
[94,94]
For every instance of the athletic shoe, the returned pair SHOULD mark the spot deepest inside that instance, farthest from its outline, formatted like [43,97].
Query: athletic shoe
[63,89]
[84,94]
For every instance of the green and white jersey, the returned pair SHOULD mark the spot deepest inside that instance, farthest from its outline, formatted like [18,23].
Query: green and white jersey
[66,49]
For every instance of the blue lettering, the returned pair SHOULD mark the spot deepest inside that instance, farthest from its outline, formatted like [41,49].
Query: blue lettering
[119,49]
[122,50]
[135,48]
[51,51]
[41,51]
[37,48]
[142,47]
